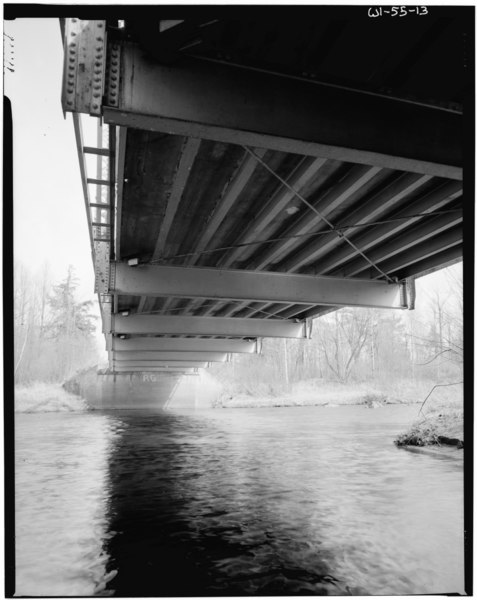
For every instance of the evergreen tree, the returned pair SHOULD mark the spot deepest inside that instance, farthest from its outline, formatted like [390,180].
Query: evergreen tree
[69,318]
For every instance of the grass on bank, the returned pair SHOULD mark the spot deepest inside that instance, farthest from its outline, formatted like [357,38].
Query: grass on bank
[441,421]
[46,397]
[321,392]
[436,428]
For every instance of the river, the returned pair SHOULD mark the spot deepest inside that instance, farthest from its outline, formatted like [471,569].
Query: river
[279,501]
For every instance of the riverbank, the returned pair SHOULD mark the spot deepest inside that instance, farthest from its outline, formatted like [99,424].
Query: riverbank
[442,423]
[46,397]
[320,392]
[443,427]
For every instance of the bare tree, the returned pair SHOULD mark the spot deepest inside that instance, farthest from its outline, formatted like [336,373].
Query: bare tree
[342,338]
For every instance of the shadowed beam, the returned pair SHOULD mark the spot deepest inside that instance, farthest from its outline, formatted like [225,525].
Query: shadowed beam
[147,344]
[233,191]
[433,229]
[433,201]
[186,162]
[269,111]
[356,178]
[300,177]
[434,262]
[253,286]
[189,152]
[368,210]
[132,355]
[184,325]
[423,251]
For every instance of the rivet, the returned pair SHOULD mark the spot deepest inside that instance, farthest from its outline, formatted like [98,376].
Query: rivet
[99,48]
[114,93]
[69,103]
[97,64]
[95,106]
[114,63]
[71,68]
[114,77]
[74,20]
[100,25]
[96,95]
[114,70]
[97,87]
[73,33]
[70,90]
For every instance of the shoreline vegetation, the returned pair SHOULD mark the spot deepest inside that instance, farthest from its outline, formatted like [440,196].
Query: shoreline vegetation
[440,425]
[47,397]
[437,428]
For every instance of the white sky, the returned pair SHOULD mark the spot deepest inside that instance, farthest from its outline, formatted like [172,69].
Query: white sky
[49,214]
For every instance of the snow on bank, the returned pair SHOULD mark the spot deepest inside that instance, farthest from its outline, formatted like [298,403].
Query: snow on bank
[46,397]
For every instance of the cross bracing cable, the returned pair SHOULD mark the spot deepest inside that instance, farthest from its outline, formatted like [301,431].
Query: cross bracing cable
[305,235]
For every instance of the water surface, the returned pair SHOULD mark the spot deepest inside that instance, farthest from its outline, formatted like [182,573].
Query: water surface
[305,500]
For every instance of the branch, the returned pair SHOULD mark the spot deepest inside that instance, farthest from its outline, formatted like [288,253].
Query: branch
[434,358]
[437,385]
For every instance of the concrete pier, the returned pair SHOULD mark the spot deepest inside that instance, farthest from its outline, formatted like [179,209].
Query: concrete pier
[105,390]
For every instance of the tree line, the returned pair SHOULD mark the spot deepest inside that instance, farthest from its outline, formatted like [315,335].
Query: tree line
[365,345]
[53,330]
[54,335]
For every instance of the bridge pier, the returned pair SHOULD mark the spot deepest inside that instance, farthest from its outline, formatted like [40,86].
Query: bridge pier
[184,389]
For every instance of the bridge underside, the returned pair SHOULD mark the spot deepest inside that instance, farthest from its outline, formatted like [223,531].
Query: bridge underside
[235,202]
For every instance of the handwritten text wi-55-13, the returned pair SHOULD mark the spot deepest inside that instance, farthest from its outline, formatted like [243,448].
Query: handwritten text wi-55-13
[397,11]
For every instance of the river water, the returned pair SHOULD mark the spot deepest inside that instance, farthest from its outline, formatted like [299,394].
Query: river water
[281,501]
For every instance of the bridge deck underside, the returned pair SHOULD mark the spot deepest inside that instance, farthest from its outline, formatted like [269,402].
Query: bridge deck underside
[266,171]
[201,203]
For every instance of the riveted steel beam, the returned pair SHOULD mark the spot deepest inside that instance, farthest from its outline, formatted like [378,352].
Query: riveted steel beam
[147,344]
[210,326]
[221,284]
[84,66]
[102,251]
[130,355]
[267,111]
[145,364]
[178,370]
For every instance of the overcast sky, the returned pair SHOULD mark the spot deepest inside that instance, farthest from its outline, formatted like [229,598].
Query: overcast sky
[49,214]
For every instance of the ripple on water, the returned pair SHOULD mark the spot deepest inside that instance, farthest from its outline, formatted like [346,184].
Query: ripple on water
[246,502]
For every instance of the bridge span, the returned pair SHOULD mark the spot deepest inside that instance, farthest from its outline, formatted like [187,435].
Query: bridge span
[252,175]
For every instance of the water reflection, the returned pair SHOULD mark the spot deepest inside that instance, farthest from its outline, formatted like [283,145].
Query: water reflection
[237,502]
